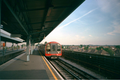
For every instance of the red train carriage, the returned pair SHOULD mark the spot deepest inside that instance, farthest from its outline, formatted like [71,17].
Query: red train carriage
[53,50]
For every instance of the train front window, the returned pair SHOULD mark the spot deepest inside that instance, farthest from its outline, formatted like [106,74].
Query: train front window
[58,47]
[53,47]
[48,47]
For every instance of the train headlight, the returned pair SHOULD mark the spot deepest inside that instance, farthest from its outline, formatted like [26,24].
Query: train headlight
[58,52]
[48,52]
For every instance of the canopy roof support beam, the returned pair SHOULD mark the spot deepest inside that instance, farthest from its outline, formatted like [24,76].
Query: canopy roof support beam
[37,32]
[11,10]
[47,10]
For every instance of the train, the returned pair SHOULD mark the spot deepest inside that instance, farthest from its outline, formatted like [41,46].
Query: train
[52,50]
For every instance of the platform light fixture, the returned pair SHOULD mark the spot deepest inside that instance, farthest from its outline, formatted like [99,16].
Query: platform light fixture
[15,35]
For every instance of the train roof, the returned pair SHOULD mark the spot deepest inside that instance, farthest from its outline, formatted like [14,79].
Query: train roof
[53,42]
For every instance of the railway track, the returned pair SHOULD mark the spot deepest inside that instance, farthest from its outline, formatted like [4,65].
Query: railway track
[68,71]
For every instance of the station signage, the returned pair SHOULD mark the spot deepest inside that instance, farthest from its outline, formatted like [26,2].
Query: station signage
[2,44]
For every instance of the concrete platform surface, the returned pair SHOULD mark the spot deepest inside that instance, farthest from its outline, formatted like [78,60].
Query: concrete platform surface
[19,68]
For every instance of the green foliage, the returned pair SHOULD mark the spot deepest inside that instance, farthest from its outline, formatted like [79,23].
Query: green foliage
[118,47]
[45,42]
[23,45]
[106,49]
[109,51]
[18,46]
[81,46]
[62,47]
[14,47]
[99,48]
[86,48]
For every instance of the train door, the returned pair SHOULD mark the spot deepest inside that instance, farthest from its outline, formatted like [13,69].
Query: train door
[53,48]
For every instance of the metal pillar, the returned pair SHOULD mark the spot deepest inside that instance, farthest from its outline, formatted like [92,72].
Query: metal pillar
[5,47]
[3,51]
[27,50]
[0,10]
[1,25]
[17,46]
[0,22]
[12,46]
[32,47]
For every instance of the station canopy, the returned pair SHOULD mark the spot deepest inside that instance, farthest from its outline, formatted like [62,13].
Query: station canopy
[36,18]
[9,39]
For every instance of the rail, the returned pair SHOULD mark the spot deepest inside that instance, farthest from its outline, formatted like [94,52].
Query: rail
[68,71]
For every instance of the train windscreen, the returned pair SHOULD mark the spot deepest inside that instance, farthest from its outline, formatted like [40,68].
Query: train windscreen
[58,47]
[48,47]
[53,47]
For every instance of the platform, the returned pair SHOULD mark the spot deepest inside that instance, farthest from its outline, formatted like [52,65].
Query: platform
[19,68]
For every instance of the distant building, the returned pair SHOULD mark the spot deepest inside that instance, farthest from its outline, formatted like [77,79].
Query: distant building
[112,47]
[105,46]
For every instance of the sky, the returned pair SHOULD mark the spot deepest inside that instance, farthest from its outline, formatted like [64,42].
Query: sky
[95,22]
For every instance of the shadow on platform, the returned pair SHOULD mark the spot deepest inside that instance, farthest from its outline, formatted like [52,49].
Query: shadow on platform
[24,74]
[20,59]
[36,52]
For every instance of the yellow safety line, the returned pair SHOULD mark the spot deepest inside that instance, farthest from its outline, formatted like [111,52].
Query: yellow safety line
[48,67]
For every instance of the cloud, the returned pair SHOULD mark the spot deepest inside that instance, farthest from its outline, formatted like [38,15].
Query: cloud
[110,33]
[78,18]
[97,37]
[116,27]
[106,5]
[77,37]
[90,35]
[110,7]
[82,37]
